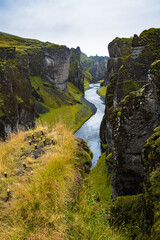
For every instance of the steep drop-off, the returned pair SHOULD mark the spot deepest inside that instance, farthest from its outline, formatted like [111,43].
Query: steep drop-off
[132,113]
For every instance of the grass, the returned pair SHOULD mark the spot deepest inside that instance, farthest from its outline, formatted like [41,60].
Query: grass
[87,79]
[43,192]
[89,218]
[63,107]
[102,91]
[52,197]
[100,179]
[71,116]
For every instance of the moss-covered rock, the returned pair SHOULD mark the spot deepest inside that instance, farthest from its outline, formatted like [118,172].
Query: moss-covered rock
[151,163]
[131,114]
[76,75]
[126,213]
[17,105]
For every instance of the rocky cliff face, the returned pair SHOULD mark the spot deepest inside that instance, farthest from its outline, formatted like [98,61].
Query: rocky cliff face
[52,64]
[30,72]
[131,114]
[140,212]
[16,101]
[118,49]
[75,70]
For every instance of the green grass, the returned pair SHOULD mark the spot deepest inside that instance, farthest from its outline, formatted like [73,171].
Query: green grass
[89,218]
[71,116]
[100,179]
[101,81]
[102,91]
[23,44]
[63,107]
[51,198]
[87,79]
[41,194]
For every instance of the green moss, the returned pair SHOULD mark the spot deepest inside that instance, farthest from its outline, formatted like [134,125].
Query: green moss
[110,90]
[124,44]
[19,100]
[104,146]
[109,158]
[74,91]
[101,81]
[128,210]
[63,107]
[1,113]
[129,86]
[155,63]
[151,162]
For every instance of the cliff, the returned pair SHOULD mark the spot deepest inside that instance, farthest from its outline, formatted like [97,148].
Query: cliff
[131,115]
[130,120]
[75,70]
[33,78]
[95,65]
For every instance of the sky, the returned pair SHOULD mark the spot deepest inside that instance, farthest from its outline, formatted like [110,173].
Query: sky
[89,24]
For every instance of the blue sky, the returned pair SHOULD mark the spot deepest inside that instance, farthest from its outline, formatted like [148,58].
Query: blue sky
[90,24]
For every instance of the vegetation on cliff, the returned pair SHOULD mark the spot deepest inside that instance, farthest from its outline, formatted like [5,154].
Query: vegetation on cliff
[131,114]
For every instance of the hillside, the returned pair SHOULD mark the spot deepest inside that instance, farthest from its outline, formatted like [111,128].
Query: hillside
[45,191]
[37,80]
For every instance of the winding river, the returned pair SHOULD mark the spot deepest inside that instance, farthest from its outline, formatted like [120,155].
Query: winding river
[90,129]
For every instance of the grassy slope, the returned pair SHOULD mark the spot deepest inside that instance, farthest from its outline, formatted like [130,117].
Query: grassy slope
[47,199]
[102,91]
[72,114]
[42,193]
[87,79]
[90,214]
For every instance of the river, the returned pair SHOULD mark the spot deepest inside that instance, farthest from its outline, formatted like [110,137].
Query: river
[90,129]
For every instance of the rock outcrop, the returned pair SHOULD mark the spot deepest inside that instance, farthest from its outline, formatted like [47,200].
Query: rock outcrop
[118,50]
[75,70]
[17,108]
[131,112]
[52,64]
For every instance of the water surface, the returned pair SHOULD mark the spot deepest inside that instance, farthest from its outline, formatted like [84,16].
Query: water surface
[90,129]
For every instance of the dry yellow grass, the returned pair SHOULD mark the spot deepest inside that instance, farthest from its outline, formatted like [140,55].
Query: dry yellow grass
[41,194]
[46,199]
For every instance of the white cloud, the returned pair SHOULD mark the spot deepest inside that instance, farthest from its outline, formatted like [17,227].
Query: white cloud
[91,24]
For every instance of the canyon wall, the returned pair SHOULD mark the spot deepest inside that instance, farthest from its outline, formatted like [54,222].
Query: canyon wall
[130,132]
[132,109]
[31,72]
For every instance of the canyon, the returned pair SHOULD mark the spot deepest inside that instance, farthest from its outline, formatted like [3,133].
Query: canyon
[39,78]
